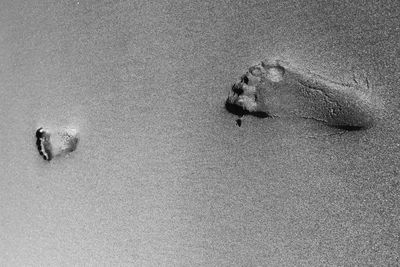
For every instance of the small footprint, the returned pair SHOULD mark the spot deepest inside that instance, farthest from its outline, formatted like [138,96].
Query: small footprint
[51,143]
[279,89]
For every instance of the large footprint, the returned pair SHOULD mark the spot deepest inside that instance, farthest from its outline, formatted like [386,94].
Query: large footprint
[279,89]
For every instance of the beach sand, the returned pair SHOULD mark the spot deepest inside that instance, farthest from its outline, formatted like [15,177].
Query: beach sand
[278,89]
[162,174]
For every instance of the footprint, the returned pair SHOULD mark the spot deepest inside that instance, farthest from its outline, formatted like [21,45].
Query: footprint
[279,89]
[52,143]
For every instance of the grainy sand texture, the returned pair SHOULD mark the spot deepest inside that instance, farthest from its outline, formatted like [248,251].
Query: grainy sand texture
[56,142]
[274,89]
[162,174]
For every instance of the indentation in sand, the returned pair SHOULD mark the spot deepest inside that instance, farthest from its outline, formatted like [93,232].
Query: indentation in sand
[275,73]
[56,142]
[279,89]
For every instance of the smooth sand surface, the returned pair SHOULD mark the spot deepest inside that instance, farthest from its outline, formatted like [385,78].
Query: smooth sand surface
[162,175]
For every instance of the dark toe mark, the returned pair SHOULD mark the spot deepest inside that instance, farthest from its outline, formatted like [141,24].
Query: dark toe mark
[238,89]
[39,132]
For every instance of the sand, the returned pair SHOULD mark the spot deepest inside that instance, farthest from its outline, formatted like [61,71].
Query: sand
[56,142]
[274,88]
[162,174]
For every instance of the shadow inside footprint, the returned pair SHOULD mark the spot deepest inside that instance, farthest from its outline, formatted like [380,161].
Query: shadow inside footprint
[240,111]
[279,89]
[51,143]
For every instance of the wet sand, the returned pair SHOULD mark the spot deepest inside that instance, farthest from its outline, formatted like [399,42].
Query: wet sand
[163,175]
